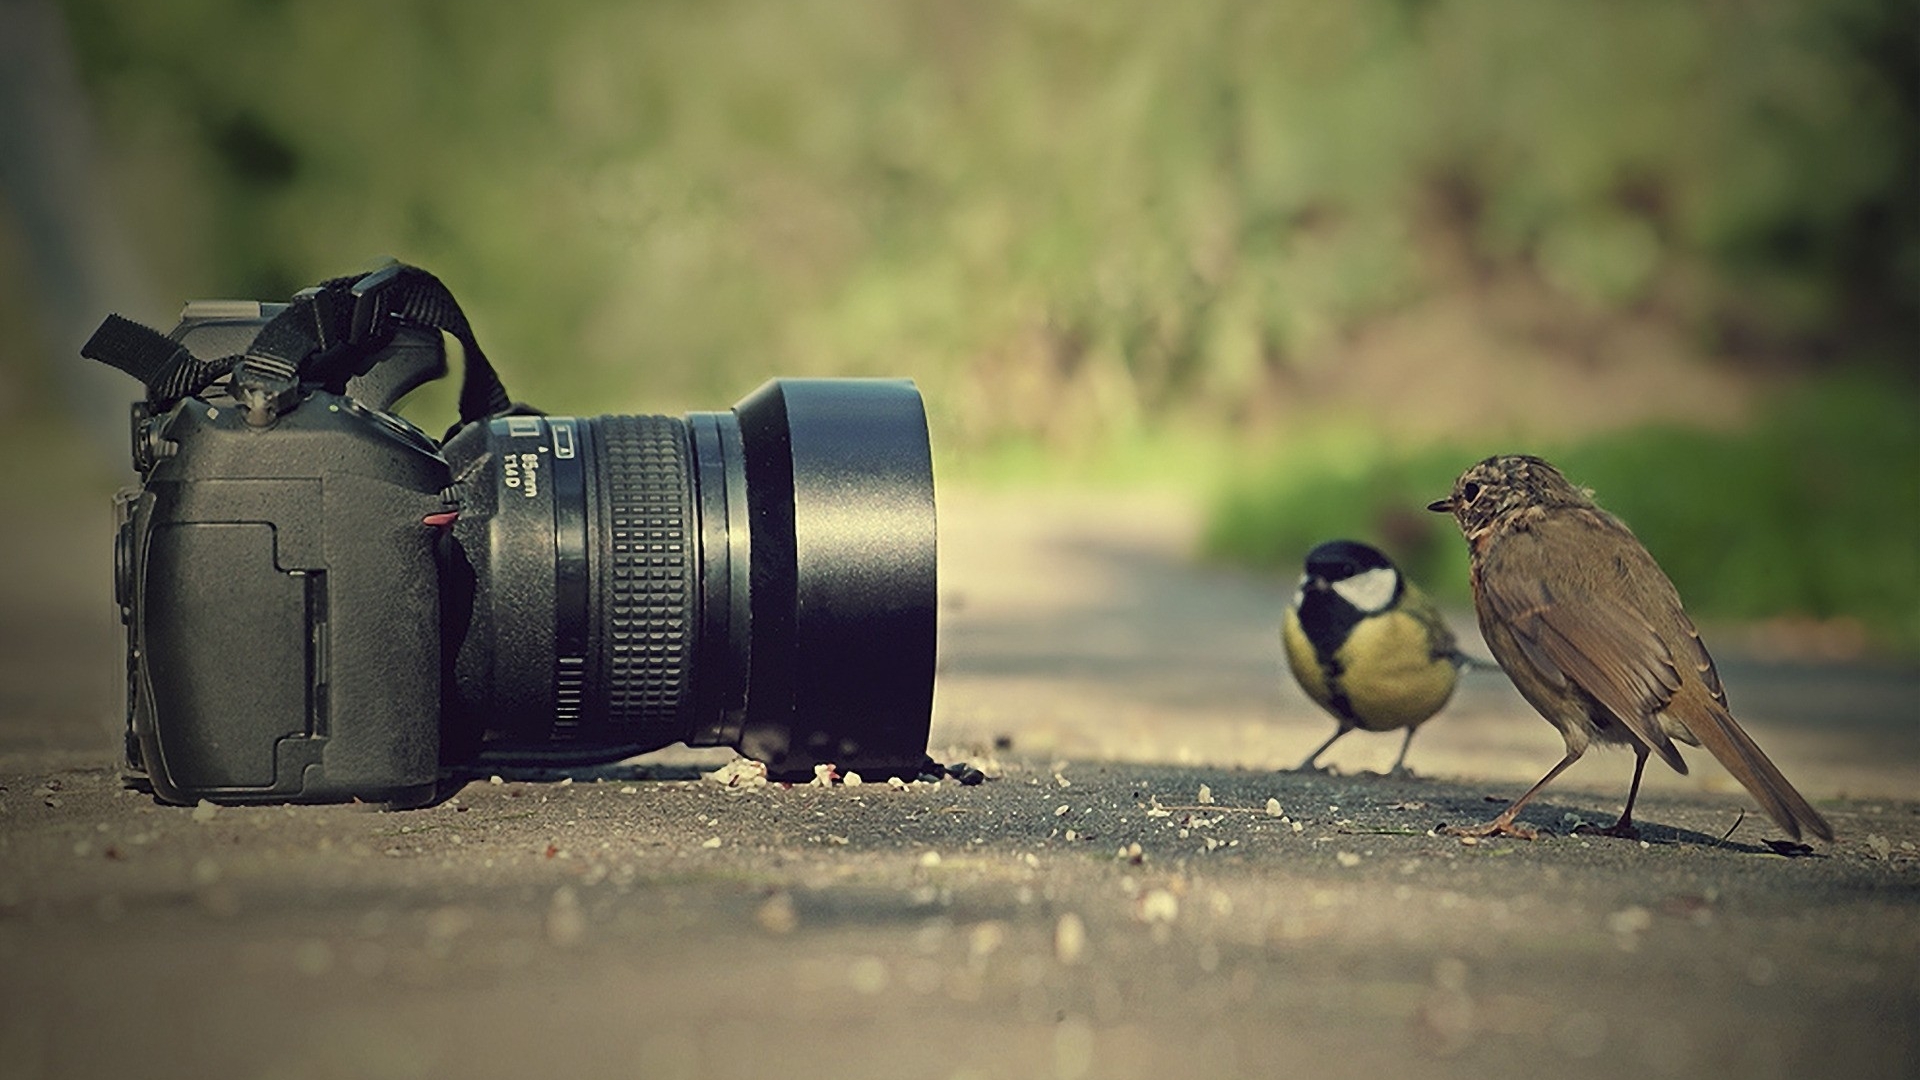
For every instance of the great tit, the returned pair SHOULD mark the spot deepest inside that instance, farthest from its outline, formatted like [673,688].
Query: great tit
[1368,645]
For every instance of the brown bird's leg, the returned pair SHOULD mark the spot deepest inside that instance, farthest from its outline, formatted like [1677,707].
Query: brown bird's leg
[1307,765]
[1504,825]
[1624,828]
[1400,763]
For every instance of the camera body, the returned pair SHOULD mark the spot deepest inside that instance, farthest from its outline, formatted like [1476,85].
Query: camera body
[325,604]
[281,588]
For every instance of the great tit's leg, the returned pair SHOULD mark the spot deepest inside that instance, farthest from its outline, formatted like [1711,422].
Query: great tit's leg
[1400,769]
[1308,765]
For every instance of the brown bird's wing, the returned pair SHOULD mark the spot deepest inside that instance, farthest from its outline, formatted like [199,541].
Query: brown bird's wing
[1573,633]
[1602,631]
[1656,592]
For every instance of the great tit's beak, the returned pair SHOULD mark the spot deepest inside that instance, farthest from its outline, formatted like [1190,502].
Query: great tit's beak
[1441,506]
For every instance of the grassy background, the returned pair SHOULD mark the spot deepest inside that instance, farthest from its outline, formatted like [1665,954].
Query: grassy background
[1812,510]
[1317,256]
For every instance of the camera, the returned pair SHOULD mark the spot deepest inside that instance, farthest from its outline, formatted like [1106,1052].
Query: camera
[323,603]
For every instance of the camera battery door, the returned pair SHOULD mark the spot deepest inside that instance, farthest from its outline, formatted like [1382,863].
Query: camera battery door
[284,609]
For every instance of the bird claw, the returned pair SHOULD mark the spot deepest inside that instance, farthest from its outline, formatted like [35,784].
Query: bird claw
[1619,830]
[1496,827]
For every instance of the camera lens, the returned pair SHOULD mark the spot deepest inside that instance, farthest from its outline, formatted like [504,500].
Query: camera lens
[762,578]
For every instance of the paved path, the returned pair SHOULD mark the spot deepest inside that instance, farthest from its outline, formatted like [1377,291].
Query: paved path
[638,921]
[1079,625]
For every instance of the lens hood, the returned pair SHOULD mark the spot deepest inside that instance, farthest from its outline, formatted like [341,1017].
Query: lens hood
[839,481]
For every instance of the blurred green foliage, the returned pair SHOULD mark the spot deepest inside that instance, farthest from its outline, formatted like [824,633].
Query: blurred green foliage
[1066,219]
[1814,511]
[1093,229]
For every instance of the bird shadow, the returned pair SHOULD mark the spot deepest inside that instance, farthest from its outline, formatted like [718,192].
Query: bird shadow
[1559,821]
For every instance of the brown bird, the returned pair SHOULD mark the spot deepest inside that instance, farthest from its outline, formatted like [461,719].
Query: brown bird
[1592,634]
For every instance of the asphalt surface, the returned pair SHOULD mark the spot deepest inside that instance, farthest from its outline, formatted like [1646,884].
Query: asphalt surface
[1135,892]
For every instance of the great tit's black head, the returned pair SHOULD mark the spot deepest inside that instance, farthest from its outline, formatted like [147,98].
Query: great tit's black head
[1351,573]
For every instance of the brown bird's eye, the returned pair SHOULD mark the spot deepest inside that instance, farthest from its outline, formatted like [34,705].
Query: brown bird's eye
[1470,491]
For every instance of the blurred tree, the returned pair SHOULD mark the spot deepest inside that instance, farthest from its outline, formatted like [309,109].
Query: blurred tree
[77,261]
[1071,219]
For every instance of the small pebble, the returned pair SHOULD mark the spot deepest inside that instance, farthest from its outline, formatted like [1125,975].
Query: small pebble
[868,975]
[986,939]
[1630,920]
[1069,939]
[566,924]
[777,915]
[1159,906]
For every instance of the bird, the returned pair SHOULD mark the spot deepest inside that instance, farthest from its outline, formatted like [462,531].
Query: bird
[1367,645]
[1593,635]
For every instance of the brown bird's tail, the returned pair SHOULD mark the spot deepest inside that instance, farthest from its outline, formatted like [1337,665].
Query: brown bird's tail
[1717,730]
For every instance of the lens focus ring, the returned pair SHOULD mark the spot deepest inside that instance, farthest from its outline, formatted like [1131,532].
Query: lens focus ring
[645,570]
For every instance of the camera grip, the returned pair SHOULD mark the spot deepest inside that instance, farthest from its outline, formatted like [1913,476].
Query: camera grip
[286,613]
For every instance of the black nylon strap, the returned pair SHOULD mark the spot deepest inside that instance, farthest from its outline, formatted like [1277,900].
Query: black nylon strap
[335,331]
[163,365]
[326,336]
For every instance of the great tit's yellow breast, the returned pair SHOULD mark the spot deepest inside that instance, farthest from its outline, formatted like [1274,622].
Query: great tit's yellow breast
[1304,662]
[1391,676]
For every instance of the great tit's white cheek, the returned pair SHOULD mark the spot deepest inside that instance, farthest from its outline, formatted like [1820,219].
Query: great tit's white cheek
[1370,591]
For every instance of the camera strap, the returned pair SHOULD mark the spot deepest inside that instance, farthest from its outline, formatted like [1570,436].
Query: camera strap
[325,336]
[163,365]
[334,332]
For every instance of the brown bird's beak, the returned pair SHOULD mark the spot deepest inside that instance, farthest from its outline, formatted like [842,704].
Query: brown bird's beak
[1441,506]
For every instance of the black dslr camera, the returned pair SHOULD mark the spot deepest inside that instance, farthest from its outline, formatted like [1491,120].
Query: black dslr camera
[322,603]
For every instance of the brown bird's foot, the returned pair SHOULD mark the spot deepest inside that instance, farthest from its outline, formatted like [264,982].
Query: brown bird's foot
[1400,772]
[1619,830]
[1500,826]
